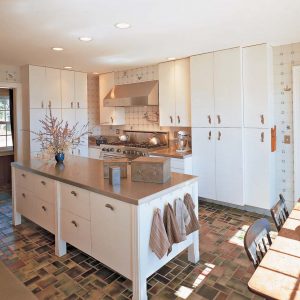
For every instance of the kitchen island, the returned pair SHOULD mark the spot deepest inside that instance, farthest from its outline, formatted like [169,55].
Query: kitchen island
[112,224]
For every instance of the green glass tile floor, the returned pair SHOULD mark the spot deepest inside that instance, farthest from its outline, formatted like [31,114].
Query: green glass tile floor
[222,273]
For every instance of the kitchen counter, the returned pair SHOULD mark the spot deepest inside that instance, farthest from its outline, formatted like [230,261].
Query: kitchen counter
[171,152]
[87,173]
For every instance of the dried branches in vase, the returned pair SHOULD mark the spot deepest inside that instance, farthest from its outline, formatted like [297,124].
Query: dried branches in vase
[57,137]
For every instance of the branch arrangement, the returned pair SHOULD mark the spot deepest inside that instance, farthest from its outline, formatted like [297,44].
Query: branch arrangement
[57,137]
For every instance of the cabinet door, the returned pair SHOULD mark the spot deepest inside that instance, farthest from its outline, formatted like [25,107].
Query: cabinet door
[81,90]
[257,167]
[67,89]
[37,84]
[69,115]
[182,93]
[82,120]
[228,88]
[203,147]
[257,74]
[202,90]
[229,165]
[117,116]
[53,88]
[167,94]
[35,116]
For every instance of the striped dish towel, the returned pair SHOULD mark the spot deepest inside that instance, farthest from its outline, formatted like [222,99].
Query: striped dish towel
[159,242]
[194,224]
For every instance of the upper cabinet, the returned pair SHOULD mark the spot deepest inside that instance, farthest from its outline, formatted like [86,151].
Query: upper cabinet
[257,80]
[81,90]
[37,84]
[53,88]
[174,93]
[109,115]
[216,89]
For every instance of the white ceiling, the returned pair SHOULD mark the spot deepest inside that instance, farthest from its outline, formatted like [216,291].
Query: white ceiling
[160,29]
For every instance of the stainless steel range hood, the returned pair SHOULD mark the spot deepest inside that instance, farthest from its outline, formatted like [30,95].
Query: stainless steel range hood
[134,94]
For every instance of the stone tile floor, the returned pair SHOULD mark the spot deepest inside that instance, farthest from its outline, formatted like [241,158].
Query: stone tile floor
[222,273]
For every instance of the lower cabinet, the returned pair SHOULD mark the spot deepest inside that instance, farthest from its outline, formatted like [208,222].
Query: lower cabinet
[111,232]
[94,153]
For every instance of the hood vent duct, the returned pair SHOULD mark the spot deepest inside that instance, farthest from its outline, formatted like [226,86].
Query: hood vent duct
[134,94]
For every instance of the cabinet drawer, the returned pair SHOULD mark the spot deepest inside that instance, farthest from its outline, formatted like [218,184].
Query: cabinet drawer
[75,200]
[43,188]
[25,203]
[111,221]
[76,231]
[44,215]
[24,179]
[177,163]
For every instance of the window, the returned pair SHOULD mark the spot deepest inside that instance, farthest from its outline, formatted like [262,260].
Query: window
[6,139]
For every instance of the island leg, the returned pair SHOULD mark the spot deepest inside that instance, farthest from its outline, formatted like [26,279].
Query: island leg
[193,250]
[16,217]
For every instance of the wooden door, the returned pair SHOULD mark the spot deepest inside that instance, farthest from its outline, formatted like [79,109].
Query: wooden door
[257,79]
[81,90]
[67,89]
[37,84]
[182,93]
[203,147]
[167,94]
[53,88]
[228,88]
[202,90]
[229,165]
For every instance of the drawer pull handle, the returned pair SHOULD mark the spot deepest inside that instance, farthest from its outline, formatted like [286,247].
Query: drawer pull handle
[71,104]
[44,208]
[74,193]
[78,105]
[23,175]
[112,120]
[178,119]
[43,182]
[209,135]
[262,119]
[209,119]
[171,119]
[219,119]
[75,223]
[23,195]
[109,206]
[219,135]
[262,137]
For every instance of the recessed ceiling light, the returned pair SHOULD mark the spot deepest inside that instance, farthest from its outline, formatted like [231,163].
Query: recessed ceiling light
[122,25]
[85,38]
[95,73]
[171,58]
[57,49]
[68,68]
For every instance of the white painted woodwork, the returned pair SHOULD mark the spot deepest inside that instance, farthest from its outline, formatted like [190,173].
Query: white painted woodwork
[23,178]
[44,188]
[53,88]
[37,86]
[67,89]
[76,231]
[44,215]
[167,109]
[81,90]
[35,126]
[228,88]
[229,165]
[117,235]
[202,90]
[94,153]
[69,115]
[16,216]
[75,201]
[182,93]
[259,168]
[204,161]
[25,203]
[258,87]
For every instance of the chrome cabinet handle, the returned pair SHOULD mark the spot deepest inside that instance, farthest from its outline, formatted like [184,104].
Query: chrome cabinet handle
[74,193]
[23,175]
[23,195]
[43,182]
[50,104]
[112,119]
[262,137]
[74,223]
[262,119]
[178,119]
[219,135]
[171,119]
[44,208]
[209,119]
[42,104]
[209,135]
[78,106]
[71,104]
[109,206]
[219,119]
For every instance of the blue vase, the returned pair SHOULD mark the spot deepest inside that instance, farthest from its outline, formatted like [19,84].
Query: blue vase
[59,157]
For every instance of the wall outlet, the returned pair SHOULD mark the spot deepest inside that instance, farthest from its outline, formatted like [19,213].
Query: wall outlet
[287,139]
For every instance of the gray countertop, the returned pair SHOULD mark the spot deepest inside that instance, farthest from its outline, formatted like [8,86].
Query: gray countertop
[87,173]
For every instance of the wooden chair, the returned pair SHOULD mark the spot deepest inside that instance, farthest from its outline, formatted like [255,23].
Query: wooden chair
[279,212]
[257,241]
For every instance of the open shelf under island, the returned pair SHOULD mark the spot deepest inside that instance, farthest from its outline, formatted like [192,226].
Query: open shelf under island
[112,224]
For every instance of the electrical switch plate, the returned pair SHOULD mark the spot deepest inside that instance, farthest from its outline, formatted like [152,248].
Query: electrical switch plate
[287,139]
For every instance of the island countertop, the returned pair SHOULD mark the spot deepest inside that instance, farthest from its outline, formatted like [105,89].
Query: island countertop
[87,173]
[171,152]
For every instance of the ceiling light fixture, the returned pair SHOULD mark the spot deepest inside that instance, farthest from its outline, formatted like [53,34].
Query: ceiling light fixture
[171,58]
[122,25]
[57,49]
[68,68]
[95,73]
[85,38]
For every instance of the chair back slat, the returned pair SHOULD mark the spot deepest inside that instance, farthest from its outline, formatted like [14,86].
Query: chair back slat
[279,212]
[257,241]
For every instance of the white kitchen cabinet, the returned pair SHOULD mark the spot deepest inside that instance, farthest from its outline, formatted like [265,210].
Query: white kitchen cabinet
[202,90]
[259,169]
[37,84]
[53,88]
[81,90]
[204,161]
[174,93]
[109,115]
[229,165]
[228,88]
[67,89]
[258,89]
